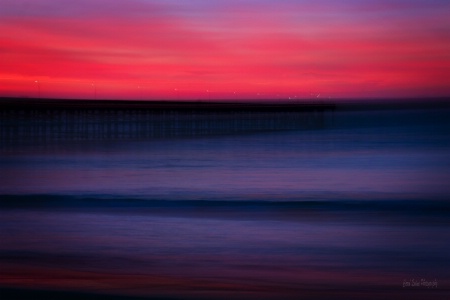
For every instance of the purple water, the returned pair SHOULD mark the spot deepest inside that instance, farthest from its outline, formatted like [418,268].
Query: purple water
[359,207]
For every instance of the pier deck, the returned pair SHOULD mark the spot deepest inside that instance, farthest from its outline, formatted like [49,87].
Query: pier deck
[34,120]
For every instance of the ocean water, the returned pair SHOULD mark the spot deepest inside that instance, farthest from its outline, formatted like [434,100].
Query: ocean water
[356,208]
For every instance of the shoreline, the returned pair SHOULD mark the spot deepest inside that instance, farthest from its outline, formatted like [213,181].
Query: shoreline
[12,103]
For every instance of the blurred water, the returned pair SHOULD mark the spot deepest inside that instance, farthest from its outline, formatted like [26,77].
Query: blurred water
[359,205]
[365,153]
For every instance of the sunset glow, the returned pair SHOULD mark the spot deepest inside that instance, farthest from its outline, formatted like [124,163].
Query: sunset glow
[224,49]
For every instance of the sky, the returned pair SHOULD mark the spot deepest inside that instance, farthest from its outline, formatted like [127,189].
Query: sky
[224,49]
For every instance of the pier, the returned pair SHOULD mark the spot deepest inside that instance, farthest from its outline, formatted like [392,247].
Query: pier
[41,120]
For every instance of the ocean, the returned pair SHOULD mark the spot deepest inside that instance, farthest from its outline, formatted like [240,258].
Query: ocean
[356,205]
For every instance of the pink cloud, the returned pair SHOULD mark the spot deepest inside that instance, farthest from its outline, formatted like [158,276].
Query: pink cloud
[276,48]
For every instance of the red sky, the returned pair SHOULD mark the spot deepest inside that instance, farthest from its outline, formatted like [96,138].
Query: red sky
[224,49]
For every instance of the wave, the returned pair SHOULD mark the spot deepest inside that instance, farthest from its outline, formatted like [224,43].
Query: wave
[127,204]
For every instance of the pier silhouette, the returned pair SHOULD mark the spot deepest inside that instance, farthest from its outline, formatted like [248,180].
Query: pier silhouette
[40,120]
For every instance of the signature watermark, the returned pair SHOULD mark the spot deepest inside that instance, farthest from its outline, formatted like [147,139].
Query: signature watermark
[420,283]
